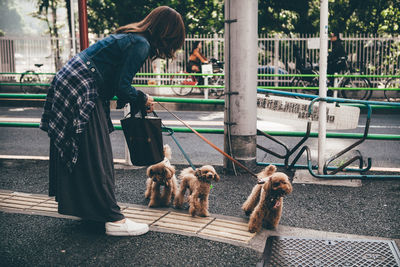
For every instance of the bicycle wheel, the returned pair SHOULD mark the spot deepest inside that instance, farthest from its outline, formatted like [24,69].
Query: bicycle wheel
[182,84]
[392,95]
[217,80]
[27,78]
[356,83]
[307,82]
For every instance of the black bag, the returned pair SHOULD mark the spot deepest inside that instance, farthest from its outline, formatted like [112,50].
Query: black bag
[144,138]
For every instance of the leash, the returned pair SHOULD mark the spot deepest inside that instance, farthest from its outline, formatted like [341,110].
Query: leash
[209,142]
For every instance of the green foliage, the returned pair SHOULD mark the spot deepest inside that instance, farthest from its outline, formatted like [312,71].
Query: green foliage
[365,16]
[104,16]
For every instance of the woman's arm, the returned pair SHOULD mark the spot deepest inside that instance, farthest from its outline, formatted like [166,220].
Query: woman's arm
[134,56]
[200,56]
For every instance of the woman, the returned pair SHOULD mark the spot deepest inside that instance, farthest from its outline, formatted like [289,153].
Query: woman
[337,57]
[196,58]
[77,117]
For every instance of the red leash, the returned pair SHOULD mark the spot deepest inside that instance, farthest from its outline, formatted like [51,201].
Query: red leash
[210,143]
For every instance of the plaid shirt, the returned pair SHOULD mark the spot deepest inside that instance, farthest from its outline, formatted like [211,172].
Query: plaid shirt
[69,103]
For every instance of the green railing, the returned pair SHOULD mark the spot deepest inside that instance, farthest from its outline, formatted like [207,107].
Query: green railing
[212,130]
[220,86]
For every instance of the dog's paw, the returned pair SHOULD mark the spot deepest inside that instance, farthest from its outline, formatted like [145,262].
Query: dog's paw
[204,214]
[253,229]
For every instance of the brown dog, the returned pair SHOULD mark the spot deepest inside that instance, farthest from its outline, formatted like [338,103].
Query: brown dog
[199,184]
[266,200]
[161,174]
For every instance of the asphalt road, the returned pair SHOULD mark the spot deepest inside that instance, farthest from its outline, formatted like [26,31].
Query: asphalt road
[34,142]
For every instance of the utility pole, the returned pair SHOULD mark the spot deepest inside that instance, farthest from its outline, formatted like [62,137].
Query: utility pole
[241,37]
[323,65]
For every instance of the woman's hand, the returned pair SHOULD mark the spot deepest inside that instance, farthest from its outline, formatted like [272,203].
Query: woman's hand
[149,104]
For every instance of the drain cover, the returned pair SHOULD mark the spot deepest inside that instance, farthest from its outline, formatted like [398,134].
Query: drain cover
[292,251]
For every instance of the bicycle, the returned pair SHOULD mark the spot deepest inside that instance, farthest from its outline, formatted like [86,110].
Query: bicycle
[30,81]
[392,95]
[183,83]
[341,82]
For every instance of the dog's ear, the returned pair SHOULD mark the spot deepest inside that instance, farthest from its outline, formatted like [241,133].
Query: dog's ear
[216,177]
[267,186]
[197,173]
[169,171]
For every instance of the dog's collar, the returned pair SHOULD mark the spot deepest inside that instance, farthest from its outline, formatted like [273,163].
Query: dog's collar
[203,180]
[273,200]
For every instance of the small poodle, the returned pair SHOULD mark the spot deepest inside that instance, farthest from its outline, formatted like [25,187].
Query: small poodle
[161,174]
[266,199]
[199,184]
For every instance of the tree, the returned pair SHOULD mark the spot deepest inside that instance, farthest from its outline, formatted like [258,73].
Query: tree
[346,16]
[365,16]
[200,17]
[47,11]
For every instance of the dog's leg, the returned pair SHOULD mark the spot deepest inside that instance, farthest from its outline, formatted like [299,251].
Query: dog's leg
[180,195]
[155,195]
[148,188]
[174,186]
[203,206]
[166,195]
[193,203]
[258,214]
[273,217]
[252,200]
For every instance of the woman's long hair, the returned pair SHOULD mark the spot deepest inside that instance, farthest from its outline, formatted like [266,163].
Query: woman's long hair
[195,45]
[163,27]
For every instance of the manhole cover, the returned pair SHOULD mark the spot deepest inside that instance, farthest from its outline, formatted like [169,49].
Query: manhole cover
[292,251]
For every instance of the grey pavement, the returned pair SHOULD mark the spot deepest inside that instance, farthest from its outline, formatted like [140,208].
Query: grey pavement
[369,210]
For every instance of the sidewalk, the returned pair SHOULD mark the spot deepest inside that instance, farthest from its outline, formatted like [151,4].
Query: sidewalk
[34,234]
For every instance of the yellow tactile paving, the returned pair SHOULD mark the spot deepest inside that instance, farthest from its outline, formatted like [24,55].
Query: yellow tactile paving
[4,195]
[48,206]
[163,219]
[148,216]
[235,231]
[182,222]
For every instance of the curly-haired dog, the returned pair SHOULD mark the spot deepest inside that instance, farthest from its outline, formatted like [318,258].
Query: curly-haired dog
[199,184]
[266,200]
[161,174]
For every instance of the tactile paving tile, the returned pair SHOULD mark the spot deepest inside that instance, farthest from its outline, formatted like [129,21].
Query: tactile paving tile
[21,201]
[48,206]
[162,219]
[235,231]
[148,216]
[183,222]
[293,251]
[4,195]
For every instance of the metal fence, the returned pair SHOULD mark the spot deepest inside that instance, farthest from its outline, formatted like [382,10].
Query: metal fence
[373,55]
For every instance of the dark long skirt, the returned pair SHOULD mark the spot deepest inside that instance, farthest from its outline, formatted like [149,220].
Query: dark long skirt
[87,192]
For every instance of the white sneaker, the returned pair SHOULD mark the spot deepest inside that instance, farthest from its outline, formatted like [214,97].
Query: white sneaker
[128,228]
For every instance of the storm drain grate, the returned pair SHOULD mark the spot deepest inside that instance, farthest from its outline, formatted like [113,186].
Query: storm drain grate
[292,251]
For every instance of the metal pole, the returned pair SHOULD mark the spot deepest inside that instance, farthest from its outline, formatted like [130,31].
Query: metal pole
[323,60]
[240,120]
[73,27]
[83,25]
[276,59]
